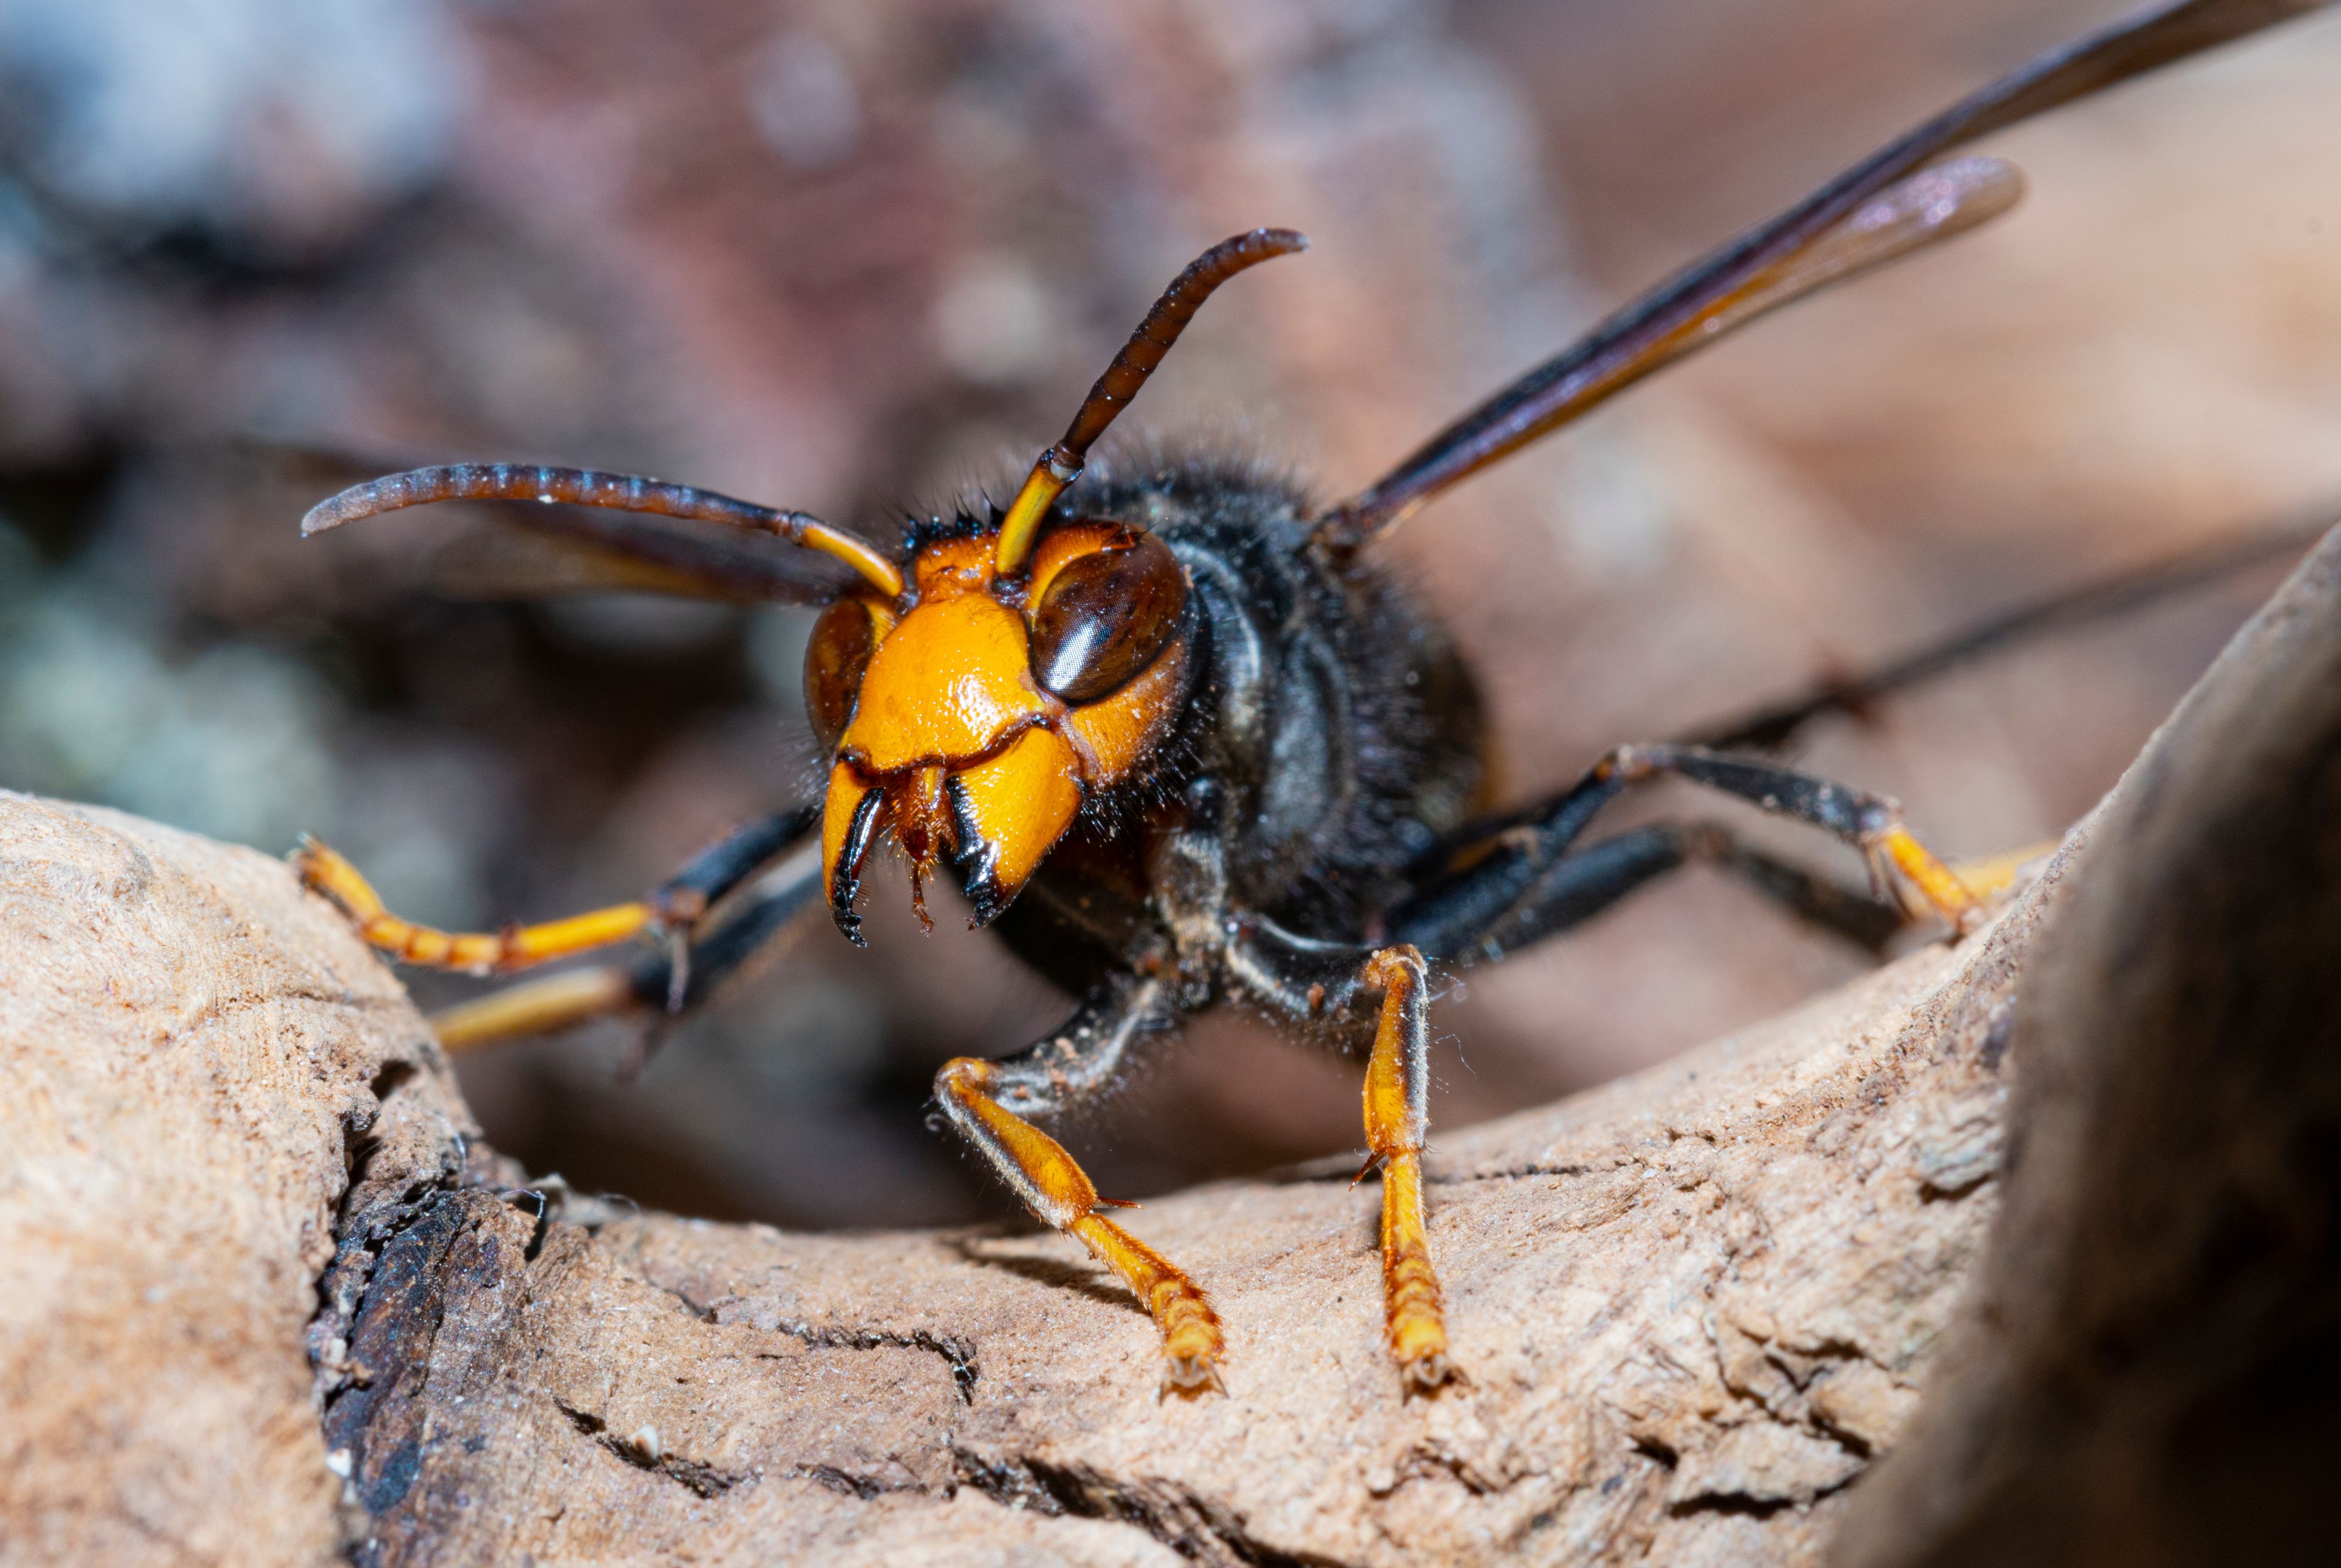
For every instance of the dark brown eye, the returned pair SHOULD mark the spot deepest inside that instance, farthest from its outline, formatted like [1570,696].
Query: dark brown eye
[1105,617]
[840,651]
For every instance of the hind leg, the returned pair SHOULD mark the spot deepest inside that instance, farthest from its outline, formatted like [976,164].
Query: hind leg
[1504,864]
[1486,919]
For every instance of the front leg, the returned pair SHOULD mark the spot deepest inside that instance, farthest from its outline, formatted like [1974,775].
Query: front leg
[988,1103]
[661,986]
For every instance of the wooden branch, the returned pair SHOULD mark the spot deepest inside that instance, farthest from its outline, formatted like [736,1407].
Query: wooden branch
[268,1300]
[194,1060]
[1690,1305]
[2146,1372]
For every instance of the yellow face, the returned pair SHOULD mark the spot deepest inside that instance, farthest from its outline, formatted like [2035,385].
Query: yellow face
[972,717]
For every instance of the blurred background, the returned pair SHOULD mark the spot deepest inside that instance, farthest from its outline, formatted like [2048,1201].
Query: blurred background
[855,255]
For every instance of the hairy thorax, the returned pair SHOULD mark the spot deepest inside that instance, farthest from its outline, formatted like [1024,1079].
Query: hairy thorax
[1333,737]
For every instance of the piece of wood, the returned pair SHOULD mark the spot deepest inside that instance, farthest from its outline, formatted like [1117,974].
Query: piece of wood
[194,1057]
[2148,1370]
[1693,1307]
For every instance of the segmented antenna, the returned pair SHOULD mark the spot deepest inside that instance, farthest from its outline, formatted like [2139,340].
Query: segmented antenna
[1061,464]
[615,492]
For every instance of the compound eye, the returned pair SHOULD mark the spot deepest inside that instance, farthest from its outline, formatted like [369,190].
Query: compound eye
[1105,617]
[843,641]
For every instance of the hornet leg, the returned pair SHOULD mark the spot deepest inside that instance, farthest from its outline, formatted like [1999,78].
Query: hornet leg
[1398,1113]
[672,907]
[1487,869]
[1338,989]
[988,1102]
[663,985]
[1452,922]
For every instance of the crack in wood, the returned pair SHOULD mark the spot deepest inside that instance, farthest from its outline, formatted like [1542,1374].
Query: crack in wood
[958,1354]
[643,1450]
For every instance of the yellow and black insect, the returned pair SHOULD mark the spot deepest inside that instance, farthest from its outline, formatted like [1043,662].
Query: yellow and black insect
[1181,742]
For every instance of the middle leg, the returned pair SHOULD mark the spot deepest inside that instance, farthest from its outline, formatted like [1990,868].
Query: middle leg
[1340,989]
[1398,1116]
[672,908]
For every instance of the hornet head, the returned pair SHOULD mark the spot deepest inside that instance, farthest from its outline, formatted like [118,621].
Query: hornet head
[971,715]
[1022,669]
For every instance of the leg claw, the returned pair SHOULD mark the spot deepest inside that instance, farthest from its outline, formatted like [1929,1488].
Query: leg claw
[1190,1376]
[1428,1373]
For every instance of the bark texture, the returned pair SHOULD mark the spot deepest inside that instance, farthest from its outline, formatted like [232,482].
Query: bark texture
[2147,1371]
[194,1059]
[1693,1307]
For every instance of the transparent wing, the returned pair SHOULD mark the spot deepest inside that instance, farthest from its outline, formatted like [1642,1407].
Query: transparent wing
[1884,207]
[519,550]
[2067,610]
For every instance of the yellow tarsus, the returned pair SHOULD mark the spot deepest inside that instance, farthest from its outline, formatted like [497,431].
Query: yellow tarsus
[1415,1306]
[1935,882]
[1056,1189]
[1997,874]
[325,870]
[1394,1093]
[533,1007]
